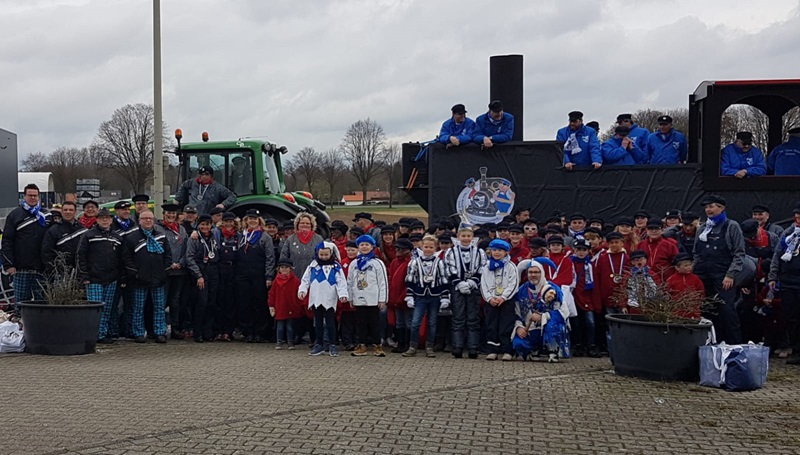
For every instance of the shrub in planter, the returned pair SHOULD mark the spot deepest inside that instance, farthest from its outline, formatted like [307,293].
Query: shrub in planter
[64,323]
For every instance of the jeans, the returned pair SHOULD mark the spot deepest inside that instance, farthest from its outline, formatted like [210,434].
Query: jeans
[425,305]
[403,317]
[499,325]
[325,320]
[466,320]
[285,330]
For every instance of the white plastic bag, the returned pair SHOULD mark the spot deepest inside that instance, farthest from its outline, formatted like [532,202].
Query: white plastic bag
[11,337]
[569,300]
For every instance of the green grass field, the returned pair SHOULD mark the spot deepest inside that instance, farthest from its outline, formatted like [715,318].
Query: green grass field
[379,212]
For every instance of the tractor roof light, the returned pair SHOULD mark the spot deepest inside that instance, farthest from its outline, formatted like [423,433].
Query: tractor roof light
[289,197]
[205,136]
[178,134]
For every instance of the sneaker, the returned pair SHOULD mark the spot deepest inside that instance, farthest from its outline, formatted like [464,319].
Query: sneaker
[429,352]
[491,356]
[553,358]
[377,351]
[410,353]
[399,349]
[290,346]
[140,340]
[360,351]
[784,353]
[390,343]
[333,351]
[593,352]
[457,353]
[106,340]
[507,357]
[176,335]
[316,350]
[161,339]
[279,346]
[473,354]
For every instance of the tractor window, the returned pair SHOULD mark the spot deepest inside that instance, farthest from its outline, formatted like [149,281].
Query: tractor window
[240,178]
[215,160]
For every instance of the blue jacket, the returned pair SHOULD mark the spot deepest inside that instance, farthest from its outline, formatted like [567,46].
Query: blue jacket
[668,148]
[735,159]
[463,132]
[639,135]
[615,155]
[785,158]
[502,132]
[585,139]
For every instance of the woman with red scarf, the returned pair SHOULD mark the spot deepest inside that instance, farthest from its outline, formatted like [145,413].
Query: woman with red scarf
[180,318]
[230,239]
[300,248]
[255,269]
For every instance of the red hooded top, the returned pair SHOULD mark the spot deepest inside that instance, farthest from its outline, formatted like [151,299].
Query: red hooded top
[608,265]
[585,299]
[397,281]
[562,275]
[660,254]
[679,283]
[283,297]
[519,253]
[345,262]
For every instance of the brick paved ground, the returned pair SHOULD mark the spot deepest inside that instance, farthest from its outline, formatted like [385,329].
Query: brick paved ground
[185,398]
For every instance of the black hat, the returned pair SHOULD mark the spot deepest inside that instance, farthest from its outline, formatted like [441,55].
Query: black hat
[204,217]
[575,115]
[594,125]
[122,205]
[285,262]
[404,244]
[760,208]
[614,236]
[415,237]
[379,223]
[795,130]
[636,254]
[555,239]
[90,202]
[270,222]
[674,213]
[388,229]
[141,198]
[458,109]
[404,222]
[515,228]
[537,242]
[496,106]
[289,224]
[228,216]
[654,223]
[190,209]
[359,215]
[749,228]
[491,227]
[355,230]
[596,219]
[664,119]
[206,170]
[445,238]
[417,224]
[796,209]
[216,210]
[530,221]
[580,243]
[713,199]
[169,207]
[577,216]
[622,130]
[641,214]
[688,217]
[553,220]
[745,136]
[254,213]
[55,212]
[622,117]
[592,230]
[239,159]
[481,233]
[503,227]
[624,221]
[342,228]
[351,244]
[103,212]
[680,257]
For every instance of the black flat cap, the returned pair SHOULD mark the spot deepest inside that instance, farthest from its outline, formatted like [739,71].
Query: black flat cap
[458,109]
[141,198]
[713,199]
[614,236]
[680,257]
[555,239]
[575,115]
[654,223]
[496,106]
[228,216]
[122,205]
[404,244]
[622,117]
[664,119]
[169,207]
[758,208]
[637,254]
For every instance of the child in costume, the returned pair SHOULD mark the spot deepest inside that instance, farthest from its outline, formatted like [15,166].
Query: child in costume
[368,286]
[325,284]
[428,290]
[499,283]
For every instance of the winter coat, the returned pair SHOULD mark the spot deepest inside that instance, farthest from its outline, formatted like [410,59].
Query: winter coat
[785,158]
[197,254]
[257,259]
[616,155]
[680,283]
[459,270]
[100,256]
[734,159]
[143,268]
[346,263]
[61,238]
[22,241]
[283,297]
[463,131]
[191,190]
[660,254]
[581,147]
[178,242]
[502,132]
[300,254]
[608,265]
[398,270]
[585,299]
[316,283]
[506,277]
[639,136]
[519,253]
[370,286]
[562,274]
[670,148]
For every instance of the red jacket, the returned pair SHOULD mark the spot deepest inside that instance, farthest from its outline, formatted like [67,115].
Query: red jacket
[660,254]
[519,253]
[345,268]
[389,254]
[283,297]
[585,299]
[561,276]
[341,245]
[397,281]
[679,283]
[609,264]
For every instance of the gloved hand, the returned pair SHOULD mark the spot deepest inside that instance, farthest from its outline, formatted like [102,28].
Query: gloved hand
[272,311]
[410,302]
[445,304]
[463,287]
[473,285]
[301,295]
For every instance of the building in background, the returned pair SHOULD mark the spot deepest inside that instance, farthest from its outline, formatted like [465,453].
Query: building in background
[44,180]
[8,169]
[373,197]
[87,190]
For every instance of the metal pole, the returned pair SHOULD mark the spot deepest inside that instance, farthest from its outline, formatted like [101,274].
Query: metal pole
[158,140]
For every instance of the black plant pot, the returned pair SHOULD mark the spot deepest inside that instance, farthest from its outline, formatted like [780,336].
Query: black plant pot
[60,329]
[653,350]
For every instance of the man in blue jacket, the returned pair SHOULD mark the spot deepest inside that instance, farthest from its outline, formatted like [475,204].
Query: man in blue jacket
[494,127]
[741,159]
[637,134]
[667,145]
[785,158]
[621,150]
[458,129]
[581,147]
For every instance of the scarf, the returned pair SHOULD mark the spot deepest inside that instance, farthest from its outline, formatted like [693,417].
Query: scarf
[492,120]
[495,264]
[283,279]
[710,223]
[577,234]
[640,270]
[252,239]
[171,226]
[363,259]
[790,242]
[36,211]
[588,270]
[304,236]
[152,244]
[761,240]
[86,221]
[124,224]
[229,233]
[318,272]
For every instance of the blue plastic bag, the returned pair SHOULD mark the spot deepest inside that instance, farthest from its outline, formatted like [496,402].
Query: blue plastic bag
[738,375]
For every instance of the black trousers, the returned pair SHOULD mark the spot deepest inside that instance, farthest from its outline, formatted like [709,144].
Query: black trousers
[499,325]
[205,309]
[347,327]
[325,320]
[790,301]
[724,315]
[225,321]
[368,325]
[252,309]
[175,297]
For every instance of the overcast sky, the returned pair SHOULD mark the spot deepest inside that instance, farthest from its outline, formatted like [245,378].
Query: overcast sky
[300,72]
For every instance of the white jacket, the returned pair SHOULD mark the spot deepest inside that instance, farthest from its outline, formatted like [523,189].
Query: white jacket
[506,277]
[322,293]
[368,287]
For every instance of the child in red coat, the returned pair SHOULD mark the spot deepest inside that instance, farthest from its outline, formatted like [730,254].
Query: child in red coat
[611,266]
[284,305]
[346,311]
[397,294]
[562,274]
[585,302]
[684,281]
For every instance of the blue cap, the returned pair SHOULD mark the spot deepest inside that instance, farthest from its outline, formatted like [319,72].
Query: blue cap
[498,244]
[365,239]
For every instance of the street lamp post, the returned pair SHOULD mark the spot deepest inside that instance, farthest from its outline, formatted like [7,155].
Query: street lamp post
[158,139]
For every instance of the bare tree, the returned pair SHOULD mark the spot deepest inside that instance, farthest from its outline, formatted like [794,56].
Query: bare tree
[648,119]
[332,169]
[67,165]
[392,153]
[35,162]
[362,146]
[307,164]
[125,144]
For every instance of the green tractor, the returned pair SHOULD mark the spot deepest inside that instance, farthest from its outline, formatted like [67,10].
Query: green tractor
[252,169]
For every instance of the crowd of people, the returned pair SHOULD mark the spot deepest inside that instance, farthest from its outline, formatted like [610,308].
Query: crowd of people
[518,289]
[630,145]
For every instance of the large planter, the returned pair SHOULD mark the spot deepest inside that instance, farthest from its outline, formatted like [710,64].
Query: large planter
[652,350]
[60,329]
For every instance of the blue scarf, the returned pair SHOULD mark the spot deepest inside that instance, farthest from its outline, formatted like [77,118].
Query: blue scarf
[125,225]
[35,211]
[588,271]
[492,120]
[152,244]
[255,237]
[710,223]
[640,271]
[494,264]
[318,273]
[363,259]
